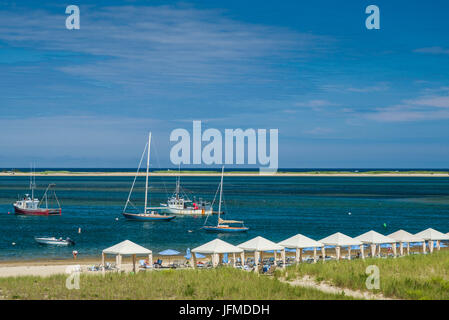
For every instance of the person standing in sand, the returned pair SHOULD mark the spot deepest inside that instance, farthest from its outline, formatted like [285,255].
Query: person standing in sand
[75,253]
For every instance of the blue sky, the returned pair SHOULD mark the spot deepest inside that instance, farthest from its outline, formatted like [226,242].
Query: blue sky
[340,95]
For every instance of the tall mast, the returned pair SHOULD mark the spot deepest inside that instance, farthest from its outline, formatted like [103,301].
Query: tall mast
[32,182]
[148,168]
[178,181]
[221,192]
[31,179]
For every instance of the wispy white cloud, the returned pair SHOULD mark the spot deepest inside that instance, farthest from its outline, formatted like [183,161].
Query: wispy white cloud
[316,103]
[375,88]
[382,86]
[438,102]
[319,131]
[418,109]
[143,46]
[432,50]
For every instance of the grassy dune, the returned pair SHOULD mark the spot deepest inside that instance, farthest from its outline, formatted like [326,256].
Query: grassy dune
[221,283]
[410,277]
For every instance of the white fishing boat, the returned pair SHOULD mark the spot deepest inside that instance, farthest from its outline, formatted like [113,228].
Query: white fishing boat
[54,241]
[180,204]
[148,214]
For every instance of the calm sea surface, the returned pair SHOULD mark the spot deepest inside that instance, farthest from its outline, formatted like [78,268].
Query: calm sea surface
[273,207]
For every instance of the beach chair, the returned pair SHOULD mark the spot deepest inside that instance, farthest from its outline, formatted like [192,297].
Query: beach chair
[271,270]
[108,266]
[144,264]
[238,262]
[158,263]
[94,268]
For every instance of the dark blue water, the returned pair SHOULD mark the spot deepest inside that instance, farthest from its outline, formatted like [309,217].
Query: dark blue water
[273,207]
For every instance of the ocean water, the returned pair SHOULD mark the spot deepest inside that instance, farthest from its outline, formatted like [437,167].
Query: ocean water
[273,207]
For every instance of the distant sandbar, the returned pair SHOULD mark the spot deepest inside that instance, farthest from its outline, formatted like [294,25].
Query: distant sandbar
[170,173]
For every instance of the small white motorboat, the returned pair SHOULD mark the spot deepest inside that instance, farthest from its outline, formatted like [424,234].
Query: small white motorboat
[54,241]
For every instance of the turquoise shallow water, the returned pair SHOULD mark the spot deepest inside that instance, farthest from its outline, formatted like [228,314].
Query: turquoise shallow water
[273,207]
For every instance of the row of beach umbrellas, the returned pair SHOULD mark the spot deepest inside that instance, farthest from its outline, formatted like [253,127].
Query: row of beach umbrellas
[430,238]
[299,243]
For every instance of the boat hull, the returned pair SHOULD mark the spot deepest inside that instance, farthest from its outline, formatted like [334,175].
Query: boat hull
[147,217]
[54,242]
[37,212]
[218,229]
[188,212]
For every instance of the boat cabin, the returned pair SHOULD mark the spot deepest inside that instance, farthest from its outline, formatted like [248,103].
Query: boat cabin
[27,203]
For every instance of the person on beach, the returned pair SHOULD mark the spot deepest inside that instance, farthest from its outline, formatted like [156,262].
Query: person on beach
[75,253]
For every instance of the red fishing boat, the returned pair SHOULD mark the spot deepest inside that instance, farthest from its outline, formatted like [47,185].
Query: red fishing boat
[29,205]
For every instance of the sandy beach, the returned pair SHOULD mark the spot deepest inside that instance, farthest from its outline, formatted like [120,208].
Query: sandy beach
[47,267]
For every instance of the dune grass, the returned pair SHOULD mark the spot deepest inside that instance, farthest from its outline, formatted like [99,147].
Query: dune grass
[410,277]
[221,283]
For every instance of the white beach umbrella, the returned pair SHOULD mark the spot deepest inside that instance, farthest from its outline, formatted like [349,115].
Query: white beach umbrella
[375,238]
[216,248]
[299,242]
[339,240]
[402,236]
[432,235]
[258,245]
[127,248]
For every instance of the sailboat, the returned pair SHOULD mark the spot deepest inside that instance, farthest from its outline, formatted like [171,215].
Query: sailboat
[182,205]
[148,214]
[225,226]
[29,205]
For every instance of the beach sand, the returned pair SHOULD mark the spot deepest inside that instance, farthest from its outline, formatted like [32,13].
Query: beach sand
[47,267]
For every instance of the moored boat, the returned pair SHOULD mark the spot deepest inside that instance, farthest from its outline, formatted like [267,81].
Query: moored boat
[225,226]
[180,204]
[23,207]
[148,214]
[29,205]
[54,241]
